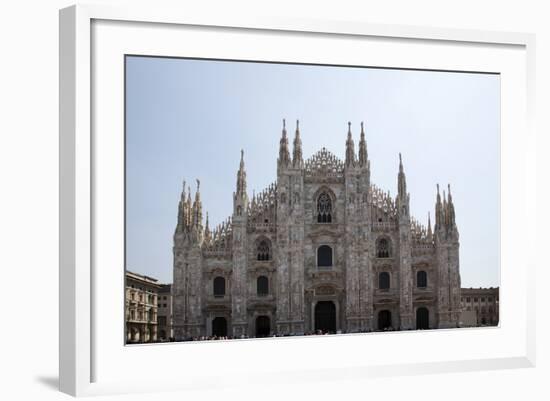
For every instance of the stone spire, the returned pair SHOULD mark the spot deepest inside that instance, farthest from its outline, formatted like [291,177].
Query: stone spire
[240,198]
[451,208]
[284,154]
[402,195]
[350,149]
[207,232]
[438,211]
[401,180]
[445,211]
[429,228]
[363,156]
[241,177]
[182,212]
[189,217]
[297,160]
[197,207]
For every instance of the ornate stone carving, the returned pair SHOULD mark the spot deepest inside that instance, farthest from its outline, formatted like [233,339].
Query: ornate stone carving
[324,163]
[325,290]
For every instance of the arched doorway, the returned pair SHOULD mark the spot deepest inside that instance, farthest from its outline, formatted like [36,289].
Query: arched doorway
[263,326]
[325,316]
[422,319]
[384,320]
[219,327]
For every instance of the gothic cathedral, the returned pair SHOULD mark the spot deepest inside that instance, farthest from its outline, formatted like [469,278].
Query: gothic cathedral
[320,250]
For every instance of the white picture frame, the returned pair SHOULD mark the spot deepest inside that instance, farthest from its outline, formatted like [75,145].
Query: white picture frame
[89,358]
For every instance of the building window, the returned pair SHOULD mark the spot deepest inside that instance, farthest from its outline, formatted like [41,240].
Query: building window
[324,208]
[422,279]
[467,299]
[262,284]
[324,256]
[383,248]
[384,281]
[490,299]
[264,250]
[483,299]
[475,299]
[219,287]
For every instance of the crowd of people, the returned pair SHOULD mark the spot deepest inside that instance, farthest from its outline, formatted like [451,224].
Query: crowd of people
[219,337]
[244,336]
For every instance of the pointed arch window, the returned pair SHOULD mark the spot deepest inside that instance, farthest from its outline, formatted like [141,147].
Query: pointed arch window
[263,250]
[324,208]
[383,248]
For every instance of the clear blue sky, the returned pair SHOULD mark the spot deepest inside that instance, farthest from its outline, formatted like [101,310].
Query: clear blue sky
[189,119]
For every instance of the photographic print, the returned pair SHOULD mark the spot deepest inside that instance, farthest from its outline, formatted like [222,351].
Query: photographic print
[270,199]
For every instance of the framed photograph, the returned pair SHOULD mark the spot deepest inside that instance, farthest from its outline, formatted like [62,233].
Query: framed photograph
[304,199]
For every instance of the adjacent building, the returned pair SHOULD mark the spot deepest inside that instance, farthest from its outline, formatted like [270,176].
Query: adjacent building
[321,249]
[164,318]
[480,306]
[141,308]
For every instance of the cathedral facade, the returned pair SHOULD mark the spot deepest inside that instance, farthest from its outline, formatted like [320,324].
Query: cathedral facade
[322,249]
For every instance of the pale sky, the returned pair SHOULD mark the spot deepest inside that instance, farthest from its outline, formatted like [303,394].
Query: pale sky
[188,119]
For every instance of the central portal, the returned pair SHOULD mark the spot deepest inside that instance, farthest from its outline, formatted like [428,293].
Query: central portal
[325,317]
